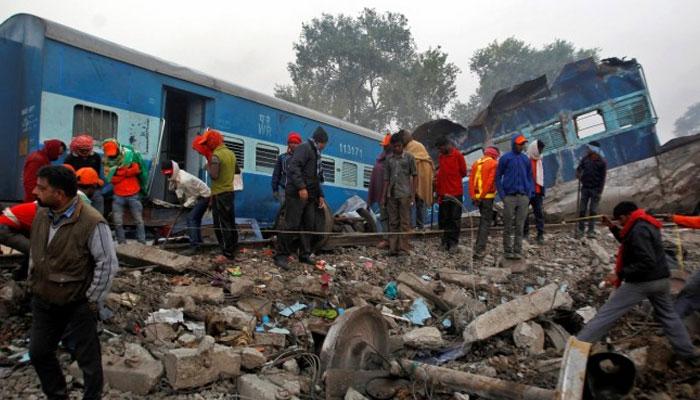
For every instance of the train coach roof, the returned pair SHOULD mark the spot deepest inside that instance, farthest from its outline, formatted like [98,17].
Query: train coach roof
[82,40]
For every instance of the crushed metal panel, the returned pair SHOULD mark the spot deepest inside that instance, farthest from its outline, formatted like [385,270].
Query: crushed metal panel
[572,375]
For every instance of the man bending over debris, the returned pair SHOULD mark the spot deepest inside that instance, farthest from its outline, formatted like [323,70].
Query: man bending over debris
[72,264]
[641,273]
[303,194]
[399,193]
[448,185]
[482,190]
[516,188]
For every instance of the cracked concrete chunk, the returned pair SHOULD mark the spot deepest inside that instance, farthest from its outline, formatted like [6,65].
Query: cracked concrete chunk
[530,336]
[153,255]
[251,358]
[251,386]
[206,294]
[189,368]
[424,338]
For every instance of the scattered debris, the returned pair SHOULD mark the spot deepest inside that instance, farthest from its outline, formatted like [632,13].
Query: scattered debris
[424,338]
[530,336]
[149,255]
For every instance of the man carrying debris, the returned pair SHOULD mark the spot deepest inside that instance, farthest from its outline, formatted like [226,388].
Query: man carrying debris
[376,184]
[591,173]
[126,170]
[192,193]
[279,174]
[640,273]
[82,155]
[448,183]
[72,264]
[534,152]
[221,166]
[482,190]
[516,188]
[399,193]
[426,172]
[303,195]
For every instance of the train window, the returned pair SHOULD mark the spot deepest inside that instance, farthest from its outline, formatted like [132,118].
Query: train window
[589,124]
[266,157]
[366,176]
[349,174]
[238,148]
[328,168]
[100,124]
[631,112]
[551,135]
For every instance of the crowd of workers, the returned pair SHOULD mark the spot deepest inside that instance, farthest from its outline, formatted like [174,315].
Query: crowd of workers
[72,257]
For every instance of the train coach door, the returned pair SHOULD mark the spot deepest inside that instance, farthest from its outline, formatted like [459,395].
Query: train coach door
[184,119]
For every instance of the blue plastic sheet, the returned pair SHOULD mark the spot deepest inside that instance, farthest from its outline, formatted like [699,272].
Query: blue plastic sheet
[292,309]
[419,312]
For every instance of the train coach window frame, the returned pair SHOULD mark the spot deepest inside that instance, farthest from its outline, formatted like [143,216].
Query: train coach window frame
[96,122]
[264,159]
[237,146]
[589,123]
[348,175]
[366,176]
[328,169]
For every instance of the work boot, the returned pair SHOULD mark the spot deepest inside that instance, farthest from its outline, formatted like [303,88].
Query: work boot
[281,262]
[516,256]
[306,259]
[591,234]
[540,239]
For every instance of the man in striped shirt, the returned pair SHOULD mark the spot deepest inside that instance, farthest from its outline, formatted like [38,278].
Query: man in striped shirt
[72,262]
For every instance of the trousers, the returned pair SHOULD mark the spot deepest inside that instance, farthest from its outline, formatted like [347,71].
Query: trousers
[77,324]
[588,206]
[485,221]
[538,212]
[136,209]
[399,211]
[450,220]
[299,215]
[514,215]
[224,216]
[194,220]
[630,294]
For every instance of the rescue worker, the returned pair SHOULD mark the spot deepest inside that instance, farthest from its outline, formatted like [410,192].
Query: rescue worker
[15,224]
[126,171]
[279,174]
[376,184]
[534,152]
[304,195]
[221,166]
[482,190]
[516,188]
[82,155]
[73,263]
[641,273]
[53,150]
[89,183]
[192,193]
[591,173]
[426,173]
[448,183]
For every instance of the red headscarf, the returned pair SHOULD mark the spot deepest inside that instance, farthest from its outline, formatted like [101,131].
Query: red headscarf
[207,142]
[81,142]
[638,214]
[294,137]
[52,148]
[492,151]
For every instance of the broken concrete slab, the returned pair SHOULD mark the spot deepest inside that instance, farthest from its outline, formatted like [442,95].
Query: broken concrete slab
[187,303]
[496,275]
[368,291]
[530,336]
[190,368]
[160,332]
[202,293]
[251,358]
[143,254]
[461,278]
[427,337]
[255,305]
[241,286]
[237,319]
[424,289]
[251,386]
[521,309]
[270,339]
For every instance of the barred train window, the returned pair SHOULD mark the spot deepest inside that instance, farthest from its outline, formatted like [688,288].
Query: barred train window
[266,157]
[238,148]
[328,169]
[366,177]
[349,172]
[100,124]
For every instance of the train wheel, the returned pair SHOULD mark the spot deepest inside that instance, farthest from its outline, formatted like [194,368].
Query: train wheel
[324,224]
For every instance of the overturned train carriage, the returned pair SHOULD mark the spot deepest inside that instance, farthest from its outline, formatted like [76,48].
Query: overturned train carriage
[605,101]
[57,82]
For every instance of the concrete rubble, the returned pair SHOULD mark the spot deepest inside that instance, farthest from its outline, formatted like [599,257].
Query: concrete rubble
[184,328]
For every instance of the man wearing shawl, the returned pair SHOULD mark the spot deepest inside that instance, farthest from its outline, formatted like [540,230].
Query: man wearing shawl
[426,172]
[641,272]
[125,169]
[534,152]
[591,173]
[52,151]
[82,156]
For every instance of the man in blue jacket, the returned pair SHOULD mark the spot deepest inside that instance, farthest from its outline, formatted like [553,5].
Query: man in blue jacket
[516,187]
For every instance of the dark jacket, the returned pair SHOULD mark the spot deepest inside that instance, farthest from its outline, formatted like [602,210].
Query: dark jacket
[514,173]
[279,174]
[591,171]
[303,171]
[93,161]
[643,256]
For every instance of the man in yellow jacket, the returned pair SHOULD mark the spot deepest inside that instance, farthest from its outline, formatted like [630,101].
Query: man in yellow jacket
[426,173]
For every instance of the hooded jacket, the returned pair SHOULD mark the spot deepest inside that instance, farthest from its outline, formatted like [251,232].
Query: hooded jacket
[452,168]
[34,162]
[514,173]
[187,187]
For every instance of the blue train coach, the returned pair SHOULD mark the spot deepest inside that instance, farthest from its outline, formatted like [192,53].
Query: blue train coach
[57,82]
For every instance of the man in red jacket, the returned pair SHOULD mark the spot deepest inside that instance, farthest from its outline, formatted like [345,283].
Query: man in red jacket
[53,149]
[448,184]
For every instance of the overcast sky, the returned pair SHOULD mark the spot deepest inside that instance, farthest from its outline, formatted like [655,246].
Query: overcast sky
[250,43]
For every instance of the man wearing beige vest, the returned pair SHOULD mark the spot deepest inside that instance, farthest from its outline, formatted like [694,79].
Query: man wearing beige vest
[72,263]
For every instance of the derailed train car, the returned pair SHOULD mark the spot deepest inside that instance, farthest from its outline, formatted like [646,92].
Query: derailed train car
[57,82]
[605,101]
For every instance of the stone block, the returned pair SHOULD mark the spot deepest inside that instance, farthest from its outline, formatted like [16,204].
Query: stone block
[530,336]
[146,255]
[241,286]
[251,358]
[251,386]
[203,293]
[424,338]
[190,368]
